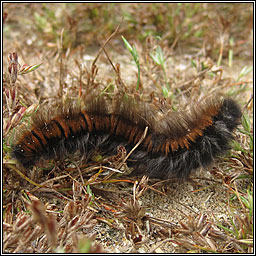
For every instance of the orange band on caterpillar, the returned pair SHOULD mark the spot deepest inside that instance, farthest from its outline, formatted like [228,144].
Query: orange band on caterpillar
[173,146]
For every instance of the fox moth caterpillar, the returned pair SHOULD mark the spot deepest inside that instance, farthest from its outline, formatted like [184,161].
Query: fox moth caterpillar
[174,145]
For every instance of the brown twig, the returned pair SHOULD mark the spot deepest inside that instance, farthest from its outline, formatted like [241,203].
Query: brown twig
[106,42]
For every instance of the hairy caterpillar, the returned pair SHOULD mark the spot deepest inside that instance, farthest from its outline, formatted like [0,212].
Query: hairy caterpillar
[174,144]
